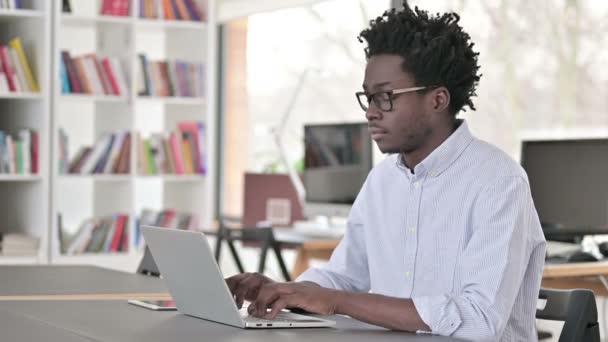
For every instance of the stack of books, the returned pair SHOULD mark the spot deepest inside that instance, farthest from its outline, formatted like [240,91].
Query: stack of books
[110,155]
[19,245]
[91,75]
[169,78]
[119,8]
[19,154]
[15,72]
[98,235]
[11,4]
[179,152]
[171,10]
[167,218]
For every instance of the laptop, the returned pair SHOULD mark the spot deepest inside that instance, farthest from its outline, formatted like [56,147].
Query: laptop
[197,286]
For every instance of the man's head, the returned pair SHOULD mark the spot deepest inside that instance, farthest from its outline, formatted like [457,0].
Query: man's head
[428,63]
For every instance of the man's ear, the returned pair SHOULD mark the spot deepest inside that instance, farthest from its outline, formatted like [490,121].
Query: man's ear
[440,99]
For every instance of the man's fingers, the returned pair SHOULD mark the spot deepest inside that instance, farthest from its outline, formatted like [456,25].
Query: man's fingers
[281,303]
[233,282]
[266,297]
[239,302]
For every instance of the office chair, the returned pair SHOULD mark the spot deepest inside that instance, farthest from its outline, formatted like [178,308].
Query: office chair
[262,237]
[576,308]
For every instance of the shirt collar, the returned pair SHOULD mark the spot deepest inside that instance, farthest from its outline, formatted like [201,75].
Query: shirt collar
[444,155]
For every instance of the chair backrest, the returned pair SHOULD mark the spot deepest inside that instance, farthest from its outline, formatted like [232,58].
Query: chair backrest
[576,308]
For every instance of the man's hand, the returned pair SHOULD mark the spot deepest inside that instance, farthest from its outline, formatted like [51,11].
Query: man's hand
[246,286]
[302,295]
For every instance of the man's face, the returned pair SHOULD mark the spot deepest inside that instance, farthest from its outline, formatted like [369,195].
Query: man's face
[407,125]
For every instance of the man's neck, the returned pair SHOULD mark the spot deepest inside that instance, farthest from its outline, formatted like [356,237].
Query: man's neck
[411,159]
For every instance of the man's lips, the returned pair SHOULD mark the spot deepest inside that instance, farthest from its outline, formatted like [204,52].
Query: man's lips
[377,132]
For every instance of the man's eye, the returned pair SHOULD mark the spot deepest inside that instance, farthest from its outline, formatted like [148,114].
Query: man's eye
[383,96]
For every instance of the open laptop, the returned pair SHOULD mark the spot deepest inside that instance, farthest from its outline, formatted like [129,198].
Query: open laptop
[197,286]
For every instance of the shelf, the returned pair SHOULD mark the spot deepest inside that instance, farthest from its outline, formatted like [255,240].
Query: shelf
[18,260]
[21,96]
[19,178]
[76,20]
[171,24]
[95,98]
[173,100]
[96,177]
[174,178]
[13,15]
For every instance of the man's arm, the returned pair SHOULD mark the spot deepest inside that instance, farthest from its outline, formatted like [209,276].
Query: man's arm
[347,268]
[505,246]
[389,312]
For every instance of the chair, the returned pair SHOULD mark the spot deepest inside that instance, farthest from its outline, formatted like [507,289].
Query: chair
[262,237]
[576,308]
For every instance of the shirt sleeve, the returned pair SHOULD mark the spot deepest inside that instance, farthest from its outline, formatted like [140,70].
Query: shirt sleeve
[499,252]
[347,268]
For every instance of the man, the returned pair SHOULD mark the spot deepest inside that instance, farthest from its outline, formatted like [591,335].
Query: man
[443,237]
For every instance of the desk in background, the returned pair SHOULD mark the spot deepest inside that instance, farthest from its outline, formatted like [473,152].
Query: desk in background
[582,275]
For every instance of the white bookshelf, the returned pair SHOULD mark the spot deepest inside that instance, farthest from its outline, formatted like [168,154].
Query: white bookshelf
[21,96]
[86,117]
[20,178]
[20,14]
[25,206]
[25,260]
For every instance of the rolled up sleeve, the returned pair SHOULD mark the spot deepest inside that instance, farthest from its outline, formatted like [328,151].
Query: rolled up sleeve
[492,267]
[347,268]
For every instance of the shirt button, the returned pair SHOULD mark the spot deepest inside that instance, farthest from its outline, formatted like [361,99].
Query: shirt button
[412,230]
[416,184]
[408,274]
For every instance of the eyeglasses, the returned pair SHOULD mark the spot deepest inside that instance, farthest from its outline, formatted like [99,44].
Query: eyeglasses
[383,99]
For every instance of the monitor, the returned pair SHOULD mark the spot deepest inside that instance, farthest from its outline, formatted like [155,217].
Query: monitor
[337,159]
[569,185]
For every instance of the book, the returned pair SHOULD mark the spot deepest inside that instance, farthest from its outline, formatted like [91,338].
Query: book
[195,14]
[19,71]
[72,72]
[66,7]
[7,69]
[31,81]
[65,80]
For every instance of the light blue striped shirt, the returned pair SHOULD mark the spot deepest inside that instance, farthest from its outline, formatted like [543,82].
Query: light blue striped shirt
[460,236]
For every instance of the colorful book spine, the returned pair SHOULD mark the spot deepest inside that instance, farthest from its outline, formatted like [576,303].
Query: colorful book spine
[8,70]
[31,81]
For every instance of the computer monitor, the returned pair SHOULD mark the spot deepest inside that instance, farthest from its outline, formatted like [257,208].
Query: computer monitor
[569,185]
[337,159]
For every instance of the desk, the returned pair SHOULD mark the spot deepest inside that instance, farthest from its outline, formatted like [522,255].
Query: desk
[308,248]
[76,282]
[16,327]
[586,275]
[119,321]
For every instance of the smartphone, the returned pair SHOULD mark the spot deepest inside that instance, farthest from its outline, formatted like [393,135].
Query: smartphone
[158,305]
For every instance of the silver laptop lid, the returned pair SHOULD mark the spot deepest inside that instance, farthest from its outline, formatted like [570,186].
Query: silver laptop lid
[193,277]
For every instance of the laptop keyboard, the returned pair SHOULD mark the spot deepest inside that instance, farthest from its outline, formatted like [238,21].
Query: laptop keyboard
[281,317]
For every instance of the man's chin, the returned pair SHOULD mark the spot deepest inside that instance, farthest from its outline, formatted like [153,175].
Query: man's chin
[388,149]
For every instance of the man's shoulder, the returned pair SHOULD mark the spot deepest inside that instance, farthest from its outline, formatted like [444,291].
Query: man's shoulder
[490,162]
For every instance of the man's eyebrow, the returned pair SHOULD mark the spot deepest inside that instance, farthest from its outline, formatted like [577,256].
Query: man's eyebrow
[377,85]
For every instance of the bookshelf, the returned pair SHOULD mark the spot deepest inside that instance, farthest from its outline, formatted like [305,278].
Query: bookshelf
[25,206]
[86,117]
